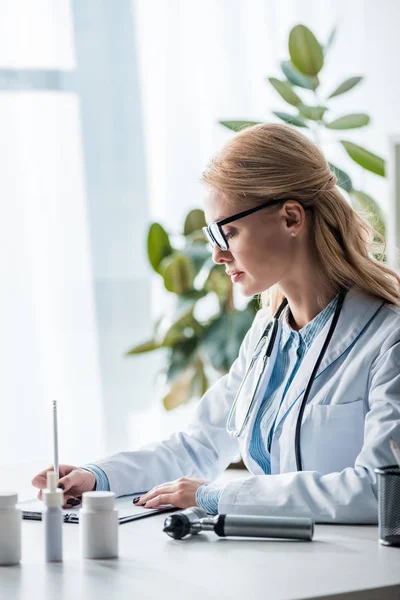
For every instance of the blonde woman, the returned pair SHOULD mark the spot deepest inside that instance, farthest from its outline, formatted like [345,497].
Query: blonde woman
[314,396]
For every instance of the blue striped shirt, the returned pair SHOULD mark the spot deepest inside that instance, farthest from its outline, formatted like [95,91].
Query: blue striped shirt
[293,345]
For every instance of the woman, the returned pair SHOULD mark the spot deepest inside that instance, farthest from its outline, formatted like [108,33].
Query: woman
[311,444]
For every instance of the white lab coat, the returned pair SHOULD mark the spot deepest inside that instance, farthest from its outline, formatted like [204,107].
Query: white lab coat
[352,412]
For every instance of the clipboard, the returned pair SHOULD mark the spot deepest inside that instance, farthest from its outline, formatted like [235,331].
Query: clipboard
[127,511]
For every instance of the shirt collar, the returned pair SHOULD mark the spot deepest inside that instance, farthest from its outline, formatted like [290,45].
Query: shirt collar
[310,331]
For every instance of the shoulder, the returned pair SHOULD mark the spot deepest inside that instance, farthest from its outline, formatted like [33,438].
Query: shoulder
[385,315]
[392,312]
[388,319]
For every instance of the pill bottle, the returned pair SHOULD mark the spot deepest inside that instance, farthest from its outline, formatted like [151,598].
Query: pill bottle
[53,519]
[98,525]
[10,529]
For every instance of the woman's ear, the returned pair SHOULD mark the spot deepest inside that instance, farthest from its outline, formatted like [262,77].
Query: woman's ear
[294,215]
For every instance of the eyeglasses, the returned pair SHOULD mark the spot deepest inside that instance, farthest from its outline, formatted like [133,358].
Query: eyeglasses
[216,236]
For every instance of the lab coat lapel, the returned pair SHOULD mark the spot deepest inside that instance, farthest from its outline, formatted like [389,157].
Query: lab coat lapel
[358,309]
[245,444]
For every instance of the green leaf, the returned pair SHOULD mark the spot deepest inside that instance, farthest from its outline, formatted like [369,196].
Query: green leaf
[254,305]
[145,347]
[185,327]
[364,158]
[330,41]
[347,85]
[194,221]
[291,119]
[224,336]
[305,51]
[178,273]
[200,382]
[203,274]
[296,78]
[158,245]
[238,125]
[180,390]
[219,283]
[344,180]
[197,237]
[181,356]
[349,122]
[315,113]
[368,204]
[285,91]
[198,253]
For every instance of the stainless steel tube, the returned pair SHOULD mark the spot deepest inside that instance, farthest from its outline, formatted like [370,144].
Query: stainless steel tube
[298,528]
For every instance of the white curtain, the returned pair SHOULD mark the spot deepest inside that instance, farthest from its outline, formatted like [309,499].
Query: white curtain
[69,286]
[48,332]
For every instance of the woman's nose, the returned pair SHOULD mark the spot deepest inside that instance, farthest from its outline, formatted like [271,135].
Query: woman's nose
[220,256]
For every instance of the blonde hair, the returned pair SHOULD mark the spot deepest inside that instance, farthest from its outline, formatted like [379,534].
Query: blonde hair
[276,161]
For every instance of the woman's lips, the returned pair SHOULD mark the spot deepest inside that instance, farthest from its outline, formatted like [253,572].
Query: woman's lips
[236,276]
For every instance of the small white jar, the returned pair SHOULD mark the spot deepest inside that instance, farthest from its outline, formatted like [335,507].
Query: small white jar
[10,529]
[98,525]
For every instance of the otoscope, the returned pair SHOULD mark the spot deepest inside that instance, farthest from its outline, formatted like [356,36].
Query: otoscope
[193,520]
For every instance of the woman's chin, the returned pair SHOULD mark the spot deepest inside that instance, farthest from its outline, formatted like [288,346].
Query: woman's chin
[248,288]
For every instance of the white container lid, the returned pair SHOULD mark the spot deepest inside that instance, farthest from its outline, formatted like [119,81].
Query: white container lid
[52,495]
[98,500]
[8,499]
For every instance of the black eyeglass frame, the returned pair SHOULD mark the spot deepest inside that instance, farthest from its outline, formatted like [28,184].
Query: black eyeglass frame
[208,231]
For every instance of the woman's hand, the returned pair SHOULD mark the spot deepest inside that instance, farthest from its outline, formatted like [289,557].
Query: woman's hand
[181,493]
[73,480]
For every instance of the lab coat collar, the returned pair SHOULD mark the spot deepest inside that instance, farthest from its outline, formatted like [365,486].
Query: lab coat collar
[358,309]
[310,331]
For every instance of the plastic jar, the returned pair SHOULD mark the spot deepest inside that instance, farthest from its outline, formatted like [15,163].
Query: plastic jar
[10,529]
[98,525]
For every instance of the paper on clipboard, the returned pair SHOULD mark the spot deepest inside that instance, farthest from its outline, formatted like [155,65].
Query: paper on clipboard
[127,511]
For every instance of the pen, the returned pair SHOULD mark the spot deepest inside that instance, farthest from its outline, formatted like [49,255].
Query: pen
[395,451]
[55,439]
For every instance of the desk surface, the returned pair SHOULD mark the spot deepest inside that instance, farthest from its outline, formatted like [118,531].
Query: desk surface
[151,565]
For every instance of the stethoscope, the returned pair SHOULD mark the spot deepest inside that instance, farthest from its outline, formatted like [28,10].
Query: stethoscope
[258,350]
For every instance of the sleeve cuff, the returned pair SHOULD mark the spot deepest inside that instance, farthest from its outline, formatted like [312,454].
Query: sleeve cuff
[207,497]
[102,483]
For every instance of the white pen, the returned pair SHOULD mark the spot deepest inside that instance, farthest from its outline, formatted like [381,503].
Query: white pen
[395,450]
[55,439]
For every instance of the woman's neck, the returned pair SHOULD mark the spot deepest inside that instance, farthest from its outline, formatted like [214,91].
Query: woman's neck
[306,303]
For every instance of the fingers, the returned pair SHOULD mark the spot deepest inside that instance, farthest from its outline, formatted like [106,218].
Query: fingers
[169,487]
[40,480]
[72,501]
[67,482]
[171,498]
[180,493]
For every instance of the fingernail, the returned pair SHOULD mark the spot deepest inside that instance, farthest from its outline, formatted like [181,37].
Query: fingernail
[144,503]
[60,485]
[136,500]
[73,502]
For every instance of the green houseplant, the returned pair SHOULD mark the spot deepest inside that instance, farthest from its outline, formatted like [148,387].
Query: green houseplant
[199,345]
[300,89]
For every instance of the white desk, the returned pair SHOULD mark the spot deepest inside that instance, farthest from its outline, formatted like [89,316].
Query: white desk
[340,560]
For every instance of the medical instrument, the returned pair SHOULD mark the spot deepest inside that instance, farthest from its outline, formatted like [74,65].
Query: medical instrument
[10,529]
[193,520]
[55,440]
[53,518]
[395,451]
[98,525]
[270,345]
[183,523]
